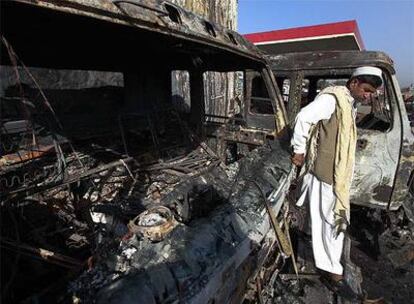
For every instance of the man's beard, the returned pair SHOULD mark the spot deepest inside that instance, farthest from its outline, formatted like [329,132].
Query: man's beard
[359,100]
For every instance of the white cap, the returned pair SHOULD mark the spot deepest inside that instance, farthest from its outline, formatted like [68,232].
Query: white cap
[368,70]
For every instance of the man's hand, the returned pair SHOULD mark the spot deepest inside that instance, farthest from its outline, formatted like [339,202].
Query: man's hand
[298,159]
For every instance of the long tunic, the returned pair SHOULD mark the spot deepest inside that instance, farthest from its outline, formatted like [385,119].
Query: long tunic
[327,247]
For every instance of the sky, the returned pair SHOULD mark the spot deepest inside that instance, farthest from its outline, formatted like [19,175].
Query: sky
[385,25]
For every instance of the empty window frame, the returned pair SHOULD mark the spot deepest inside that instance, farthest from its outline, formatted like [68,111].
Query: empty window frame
[223,95]
[260,101]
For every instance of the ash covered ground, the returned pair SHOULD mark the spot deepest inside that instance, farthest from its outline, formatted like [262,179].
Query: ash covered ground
[384,256]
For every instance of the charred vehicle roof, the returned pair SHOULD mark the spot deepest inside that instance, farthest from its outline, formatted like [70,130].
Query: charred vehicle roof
[129,169]
[109,34]
[331,59]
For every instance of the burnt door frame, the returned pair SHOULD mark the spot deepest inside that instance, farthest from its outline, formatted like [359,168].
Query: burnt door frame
[265,122]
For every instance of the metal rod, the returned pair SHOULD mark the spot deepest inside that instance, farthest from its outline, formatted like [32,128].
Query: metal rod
[290,276]
[281,237]
[295,266]
[43,254]
[72,179]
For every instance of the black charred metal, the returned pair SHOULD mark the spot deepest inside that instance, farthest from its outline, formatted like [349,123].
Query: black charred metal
[115,183]
[197,197]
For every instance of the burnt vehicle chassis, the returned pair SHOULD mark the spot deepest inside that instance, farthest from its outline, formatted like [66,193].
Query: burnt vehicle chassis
[111,182]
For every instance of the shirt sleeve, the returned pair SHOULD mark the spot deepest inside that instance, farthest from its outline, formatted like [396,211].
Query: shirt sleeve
[321,108]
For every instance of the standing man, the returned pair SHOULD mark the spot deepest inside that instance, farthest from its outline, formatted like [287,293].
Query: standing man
[324,141]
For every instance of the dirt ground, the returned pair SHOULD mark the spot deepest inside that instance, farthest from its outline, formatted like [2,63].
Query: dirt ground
[382,279]
[378,253]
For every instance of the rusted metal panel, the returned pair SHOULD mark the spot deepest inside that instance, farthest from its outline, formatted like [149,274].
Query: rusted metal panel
[376,166]
[406,161]
[330,59]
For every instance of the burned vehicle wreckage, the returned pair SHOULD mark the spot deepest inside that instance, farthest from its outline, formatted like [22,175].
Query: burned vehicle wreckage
[116,186]
[130,174]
